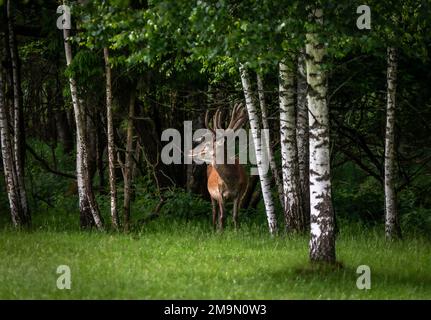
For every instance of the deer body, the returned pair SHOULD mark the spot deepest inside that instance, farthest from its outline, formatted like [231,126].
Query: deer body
[227,181]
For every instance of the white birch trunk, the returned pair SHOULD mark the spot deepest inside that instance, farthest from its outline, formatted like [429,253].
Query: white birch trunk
[302,135]
[392,228]
[289,152]
[17,117]
[87,205]
[265,181]
[273,165]
[8,161]
[111,143]
[322,243]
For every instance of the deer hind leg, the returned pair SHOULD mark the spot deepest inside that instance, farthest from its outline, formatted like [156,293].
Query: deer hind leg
[221,215]
[235,213]
[214,210]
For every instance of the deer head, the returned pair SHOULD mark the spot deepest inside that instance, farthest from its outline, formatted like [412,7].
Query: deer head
[213,142]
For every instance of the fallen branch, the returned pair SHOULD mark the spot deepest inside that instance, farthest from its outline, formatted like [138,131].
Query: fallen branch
[46,165]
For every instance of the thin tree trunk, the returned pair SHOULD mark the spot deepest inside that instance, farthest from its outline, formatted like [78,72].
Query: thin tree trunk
[101,137]
[89,211]
[251,187]
[64,131]
[302,136]
[272,164]
[8,161]
[91,137]
[392,228]
[128,161]
[322,243]
[289,153]
[111,143]
[265,181]
[18,125]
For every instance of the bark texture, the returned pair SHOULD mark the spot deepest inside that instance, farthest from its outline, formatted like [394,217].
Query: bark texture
[289,153]
[128,162]
[302,136]
[11,182]
[111,144]
[272,164]
[18,124]
[322,242]
[392,228]
[265,181]
[89,211]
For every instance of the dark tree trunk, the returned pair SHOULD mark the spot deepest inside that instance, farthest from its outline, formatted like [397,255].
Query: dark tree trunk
[251,187]
[196,174]
[91,133]
[128,162]
[64,131]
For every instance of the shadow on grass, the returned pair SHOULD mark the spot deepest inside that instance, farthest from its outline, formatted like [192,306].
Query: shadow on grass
[390,284]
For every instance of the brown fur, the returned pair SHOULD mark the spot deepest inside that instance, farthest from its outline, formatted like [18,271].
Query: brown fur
[227,182]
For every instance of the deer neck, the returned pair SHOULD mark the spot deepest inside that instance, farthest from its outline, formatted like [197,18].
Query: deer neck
[228,173]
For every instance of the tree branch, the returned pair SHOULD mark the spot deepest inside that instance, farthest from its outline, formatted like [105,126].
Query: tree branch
[46,165]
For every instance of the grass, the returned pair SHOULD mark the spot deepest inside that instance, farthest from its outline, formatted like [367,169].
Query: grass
[186,260]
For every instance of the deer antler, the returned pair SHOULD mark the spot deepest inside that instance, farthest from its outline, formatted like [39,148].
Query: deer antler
[207,122]
[218,119]
[238,117]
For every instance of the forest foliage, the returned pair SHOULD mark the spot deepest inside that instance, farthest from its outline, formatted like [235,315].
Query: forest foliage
[181,58]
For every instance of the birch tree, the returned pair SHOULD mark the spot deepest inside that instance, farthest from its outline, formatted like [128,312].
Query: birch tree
[322,242]
[18,126]
[111,143]
[289,152]
[89,211]
[265,181]
[273,165]
[11,182]
[392,228]
[302,135]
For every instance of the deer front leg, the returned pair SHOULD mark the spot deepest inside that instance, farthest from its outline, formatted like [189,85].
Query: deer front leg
[214,209]
[235,213]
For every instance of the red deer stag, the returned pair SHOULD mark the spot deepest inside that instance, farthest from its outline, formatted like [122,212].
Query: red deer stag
[227,181]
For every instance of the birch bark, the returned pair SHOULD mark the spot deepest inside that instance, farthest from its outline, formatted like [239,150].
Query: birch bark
[322,242]
[89,211]
[265,181]
[392,228]
[18,125]
[8,161]
[272,164]
[289,153]
[302,136]
[111,144]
